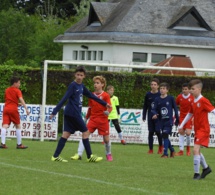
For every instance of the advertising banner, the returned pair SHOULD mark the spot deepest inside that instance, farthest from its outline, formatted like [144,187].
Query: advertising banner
[31,124]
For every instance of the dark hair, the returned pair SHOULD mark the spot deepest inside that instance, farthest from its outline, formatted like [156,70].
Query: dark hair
[185,85]
[196,82]
[155,80]
[80,69]
[165,85]
[14,80]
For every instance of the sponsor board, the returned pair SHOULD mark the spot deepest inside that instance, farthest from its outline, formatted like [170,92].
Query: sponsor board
[31,124]
[136,131]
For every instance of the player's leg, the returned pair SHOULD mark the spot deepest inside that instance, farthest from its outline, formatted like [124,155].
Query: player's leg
[196,160]
[19,137]
[188,138]
[166,144]
[181,143]
[118,129]
[107,144]
[3,136]
[159,136]
[150,135]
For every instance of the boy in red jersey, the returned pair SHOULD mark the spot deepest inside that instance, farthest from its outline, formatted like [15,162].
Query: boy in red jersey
[199,109]
[184,100]
[10,113]
[98,118]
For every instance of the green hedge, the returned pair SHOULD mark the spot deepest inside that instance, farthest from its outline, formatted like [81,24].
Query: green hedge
[129,87]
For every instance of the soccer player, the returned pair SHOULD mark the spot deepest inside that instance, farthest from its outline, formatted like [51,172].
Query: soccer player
[199,109]
[13,96]
[72,115]
[114,116]
[98,118]
[163,111]
[152,123]
[184,100]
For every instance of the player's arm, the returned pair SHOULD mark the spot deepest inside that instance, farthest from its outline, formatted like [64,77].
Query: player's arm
[145,108]
[107,99]
[186,119]
[62,101]
[154,110]
[90,95]
[176,111]
[22,101]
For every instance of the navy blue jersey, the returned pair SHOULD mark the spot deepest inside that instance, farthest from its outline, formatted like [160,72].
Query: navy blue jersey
[74,95]
[164,107]
[149,104]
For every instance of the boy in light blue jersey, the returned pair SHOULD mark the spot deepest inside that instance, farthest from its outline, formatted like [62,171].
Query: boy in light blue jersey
[163,111]
[72,115]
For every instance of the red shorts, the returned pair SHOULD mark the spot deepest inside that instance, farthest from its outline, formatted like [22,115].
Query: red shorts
[188,125]
[202,140]
[98,123]
[11,116]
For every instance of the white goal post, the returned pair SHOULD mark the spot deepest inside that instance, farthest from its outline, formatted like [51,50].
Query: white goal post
[144,67]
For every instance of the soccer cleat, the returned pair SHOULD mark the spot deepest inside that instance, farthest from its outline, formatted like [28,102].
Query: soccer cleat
[76,157]
[21,146]
[172,154]
[94,158]
[123,142]
[180,153]
[205,172]
[3,146]
[197,176]
[109,157]
[150,152]
[160,150]
[188,150]
[164,156]
[58,159]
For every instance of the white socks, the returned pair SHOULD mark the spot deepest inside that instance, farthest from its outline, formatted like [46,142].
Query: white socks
[3,135]
[19,136]
[203,161]
[181,142]
[188,140]
[80,148]
[196,163]
[108,148]
[120,136]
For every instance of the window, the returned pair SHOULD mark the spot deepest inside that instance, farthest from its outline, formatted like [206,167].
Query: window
[139,57]
[75,55]
[158,57]
[89,55]
[178,55]
[100,55]
[81,55]
[94,55]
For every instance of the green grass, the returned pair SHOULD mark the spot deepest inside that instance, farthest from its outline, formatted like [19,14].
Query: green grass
[133,171]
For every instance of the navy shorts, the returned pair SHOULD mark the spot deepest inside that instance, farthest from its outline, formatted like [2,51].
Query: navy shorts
[72,124]
[153,125]
[167,129]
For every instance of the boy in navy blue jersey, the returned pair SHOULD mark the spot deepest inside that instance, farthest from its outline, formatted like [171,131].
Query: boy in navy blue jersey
[152,123]
[72,115]
[163,111]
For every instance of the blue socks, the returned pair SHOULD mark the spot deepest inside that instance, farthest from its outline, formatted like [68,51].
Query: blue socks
[87,147]
[60,146]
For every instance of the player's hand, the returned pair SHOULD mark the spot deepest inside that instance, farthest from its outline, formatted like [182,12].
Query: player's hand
[106,113]
[27,112]
[51,116]
[85,120]
[155,117]
[108,106]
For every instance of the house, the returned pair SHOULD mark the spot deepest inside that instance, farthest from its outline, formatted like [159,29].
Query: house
[143,32]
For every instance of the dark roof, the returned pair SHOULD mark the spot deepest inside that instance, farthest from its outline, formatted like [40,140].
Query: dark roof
[145,22]
[174,62]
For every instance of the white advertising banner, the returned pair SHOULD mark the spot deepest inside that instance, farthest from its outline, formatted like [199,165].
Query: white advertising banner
[136,131]
[31,124]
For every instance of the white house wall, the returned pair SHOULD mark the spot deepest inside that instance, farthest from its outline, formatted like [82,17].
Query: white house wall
[123,53]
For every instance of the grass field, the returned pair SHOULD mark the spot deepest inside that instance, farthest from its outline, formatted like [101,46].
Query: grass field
[133,171]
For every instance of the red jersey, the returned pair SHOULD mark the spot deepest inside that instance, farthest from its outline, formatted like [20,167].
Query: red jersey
[200,110]
[12,95]
[96,110]
[184,103]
